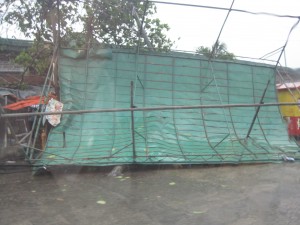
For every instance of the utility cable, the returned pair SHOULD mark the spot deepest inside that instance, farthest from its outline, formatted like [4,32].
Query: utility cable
[287,40]
[222,8]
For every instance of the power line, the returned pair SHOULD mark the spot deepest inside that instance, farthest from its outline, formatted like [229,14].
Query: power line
[223,8]
[287,40]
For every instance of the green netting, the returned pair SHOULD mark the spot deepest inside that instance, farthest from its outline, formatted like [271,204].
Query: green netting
[101,79]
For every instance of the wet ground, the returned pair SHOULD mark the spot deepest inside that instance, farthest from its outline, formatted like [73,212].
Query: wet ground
[235,195]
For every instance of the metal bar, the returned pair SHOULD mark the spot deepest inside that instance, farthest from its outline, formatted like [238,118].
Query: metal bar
[240,140]
[36,124]
[114,114]
[7,115]
[132,121]
[226,136]
[207,137]
[213,55]
[140,81]
[82,117]
[140,135]
[36,134]
[142,30]
[58,22]
[64,138]
[173,112]
[23,138]
[257,110]
[206,85]
[286,42]
[145,115]
[8,125]
[160,156]
[5,126]
[42,152]
[126,146]
[204,124]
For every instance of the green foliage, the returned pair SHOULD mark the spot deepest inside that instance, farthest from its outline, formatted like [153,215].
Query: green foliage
[36,58]
[217,51]
[38,18]
[102,22]
[24,59]
[108,22]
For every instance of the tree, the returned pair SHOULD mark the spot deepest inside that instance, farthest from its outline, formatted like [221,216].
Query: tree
[217,51]
[36,58]
[110,22]
[85,23]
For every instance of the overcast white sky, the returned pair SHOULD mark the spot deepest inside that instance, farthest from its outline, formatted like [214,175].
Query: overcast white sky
[245,34]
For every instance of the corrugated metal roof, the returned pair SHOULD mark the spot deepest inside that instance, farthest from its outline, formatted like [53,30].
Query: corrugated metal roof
[18,45]
[291,85]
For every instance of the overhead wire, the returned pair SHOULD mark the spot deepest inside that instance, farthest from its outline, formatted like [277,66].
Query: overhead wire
[240,11]
[226,9]
[287,40]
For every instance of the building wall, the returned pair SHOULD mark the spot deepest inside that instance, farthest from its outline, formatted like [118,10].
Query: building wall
[286,96]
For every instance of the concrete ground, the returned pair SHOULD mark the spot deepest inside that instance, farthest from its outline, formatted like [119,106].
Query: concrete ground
[235,195]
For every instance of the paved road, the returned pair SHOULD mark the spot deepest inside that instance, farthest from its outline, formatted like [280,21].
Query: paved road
[233,195]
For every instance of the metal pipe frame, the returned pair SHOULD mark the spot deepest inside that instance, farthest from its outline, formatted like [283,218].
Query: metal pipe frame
[8,115]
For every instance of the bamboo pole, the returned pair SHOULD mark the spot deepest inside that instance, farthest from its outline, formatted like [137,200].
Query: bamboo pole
[6,115]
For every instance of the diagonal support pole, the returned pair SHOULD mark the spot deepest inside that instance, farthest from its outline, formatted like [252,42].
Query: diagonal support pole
[257,110]
[141,29]
[132,120]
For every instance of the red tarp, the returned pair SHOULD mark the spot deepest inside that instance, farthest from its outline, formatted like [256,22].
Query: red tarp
[33,100]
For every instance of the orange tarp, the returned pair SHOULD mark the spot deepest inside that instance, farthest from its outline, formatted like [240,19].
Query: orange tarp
[33,100]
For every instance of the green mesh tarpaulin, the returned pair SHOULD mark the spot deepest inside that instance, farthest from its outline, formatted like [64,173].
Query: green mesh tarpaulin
[102,79]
